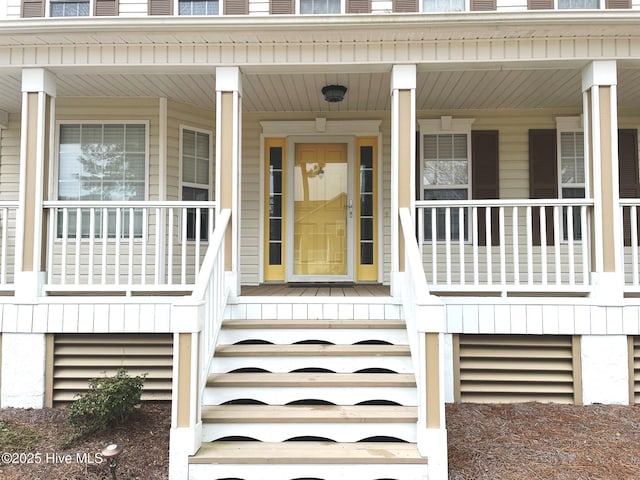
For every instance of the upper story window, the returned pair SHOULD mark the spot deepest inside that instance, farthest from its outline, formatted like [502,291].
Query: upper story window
[578,4]
[198,7]
[69,8]
[443,5]
[319,6]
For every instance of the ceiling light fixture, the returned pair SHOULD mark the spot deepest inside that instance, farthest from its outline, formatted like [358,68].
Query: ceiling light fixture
[334,93]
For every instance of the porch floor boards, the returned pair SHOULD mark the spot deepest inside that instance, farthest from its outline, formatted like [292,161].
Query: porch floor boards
[293,290]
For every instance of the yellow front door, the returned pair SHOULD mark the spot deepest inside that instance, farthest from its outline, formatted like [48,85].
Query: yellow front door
[320,181]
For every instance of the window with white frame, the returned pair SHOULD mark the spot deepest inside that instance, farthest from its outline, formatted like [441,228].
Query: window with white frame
[102,162]
[196,158]
[446,167]
[69,8]
[443,5]
[319,6]
[198,7]
[578,4]
[571,169]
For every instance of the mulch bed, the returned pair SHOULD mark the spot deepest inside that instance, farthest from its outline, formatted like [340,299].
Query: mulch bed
[527,441]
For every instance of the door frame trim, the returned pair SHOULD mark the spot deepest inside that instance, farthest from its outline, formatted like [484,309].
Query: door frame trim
[315,131]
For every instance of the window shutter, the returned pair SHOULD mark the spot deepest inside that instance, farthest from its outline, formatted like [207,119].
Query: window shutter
[358,6]
[405,6]
[107,8]
[485,179]
[482,5]
[32,8]
[543,177]
[628,174]
[540,4]
[617,4]
[236,7]
[160,7]
[281,7]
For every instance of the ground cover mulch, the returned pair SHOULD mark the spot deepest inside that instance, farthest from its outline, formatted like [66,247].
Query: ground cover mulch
[527,441]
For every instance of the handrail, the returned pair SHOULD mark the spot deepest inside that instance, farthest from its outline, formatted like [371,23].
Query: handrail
[414,286]
[215,246]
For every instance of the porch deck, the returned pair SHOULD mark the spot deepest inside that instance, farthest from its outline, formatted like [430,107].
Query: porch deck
[316,290]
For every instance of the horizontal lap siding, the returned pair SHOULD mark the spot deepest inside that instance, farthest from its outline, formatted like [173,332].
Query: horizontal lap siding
[634,370]
[514,368]
[78,358]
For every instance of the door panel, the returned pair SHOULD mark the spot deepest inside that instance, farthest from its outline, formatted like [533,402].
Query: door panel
[321,192]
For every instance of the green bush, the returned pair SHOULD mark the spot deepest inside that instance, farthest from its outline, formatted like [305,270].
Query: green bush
[108,402]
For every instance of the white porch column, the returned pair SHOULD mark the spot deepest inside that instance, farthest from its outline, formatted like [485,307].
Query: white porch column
[605,369]
[403,147]
[228,158]
[599,81]
[38,97]
[23,370]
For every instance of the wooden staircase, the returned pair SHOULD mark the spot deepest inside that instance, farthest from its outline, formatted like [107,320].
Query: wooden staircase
[307,399]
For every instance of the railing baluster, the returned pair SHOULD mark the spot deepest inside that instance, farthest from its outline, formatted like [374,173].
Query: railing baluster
[65,238]
[105,244]
[183,261]
[117,244]
[92,235]
[585,247]
[570,246]
[447,244]
[515,241]
[529,222]
[543,245]
[144,240]
[461,240]
[3,272]
[502,247]
[434,247]
[131,235]
[633,212]
[474,236]
[556,242]
[76,263]
[488,245]
[196,256]
[170,252]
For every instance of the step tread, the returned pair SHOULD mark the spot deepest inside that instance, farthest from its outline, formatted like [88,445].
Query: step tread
[313,323]
[308,414]
[307,453]
[343,380]
[311,350]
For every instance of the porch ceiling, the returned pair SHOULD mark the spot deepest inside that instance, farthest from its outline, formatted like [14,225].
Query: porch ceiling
[486,87]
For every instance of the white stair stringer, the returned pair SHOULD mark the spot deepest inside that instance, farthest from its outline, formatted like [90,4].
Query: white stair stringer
[340,405]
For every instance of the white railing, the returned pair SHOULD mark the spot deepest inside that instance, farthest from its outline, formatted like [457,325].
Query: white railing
[126,246]
[211,291]
[8,212]
[425,318]
[505,245]
[630,208]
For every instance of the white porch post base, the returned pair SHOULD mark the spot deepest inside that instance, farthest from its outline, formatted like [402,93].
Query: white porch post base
[183,442]
[448,368]
[23,370]
[605,369]
[397,284]
[432,444]
[607,288]
[29,286]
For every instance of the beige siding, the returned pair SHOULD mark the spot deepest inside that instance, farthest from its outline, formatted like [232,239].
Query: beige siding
[10,159]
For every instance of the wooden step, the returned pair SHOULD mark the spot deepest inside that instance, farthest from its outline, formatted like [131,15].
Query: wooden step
[308,414]
[307,453]
[264,350]
[319,323]
[344,380]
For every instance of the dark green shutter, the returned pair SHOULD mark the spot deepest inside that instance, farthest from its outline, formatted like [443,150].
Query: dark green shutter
[485,179]
[543,177]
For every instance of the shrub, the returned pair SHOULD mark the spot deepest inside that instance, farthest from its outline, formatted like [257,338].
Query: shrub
[108,402]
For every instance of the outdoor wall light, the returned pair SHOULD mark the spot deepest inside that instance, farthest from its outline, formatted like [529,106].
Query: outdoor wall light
[111,454]
[334,93]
